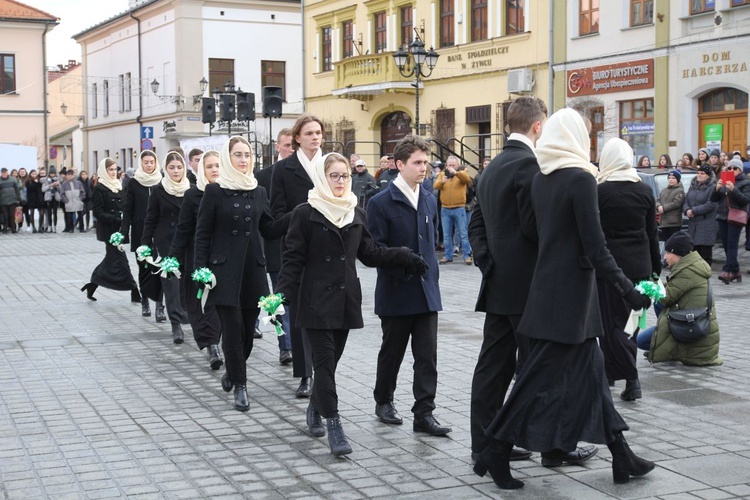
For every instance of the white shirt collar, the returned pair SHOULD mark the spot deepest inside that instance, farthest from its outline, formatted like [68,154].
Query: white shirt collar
[515,136]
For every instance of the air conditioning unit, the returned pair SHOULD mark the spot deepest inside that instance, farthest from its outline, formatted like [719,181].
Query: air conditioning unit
[520,80]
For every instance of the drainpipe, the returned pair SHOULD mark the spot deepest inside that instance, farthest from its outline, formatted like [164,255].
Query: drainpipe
[551,103]
[44,95]
[139,118]
[304,75]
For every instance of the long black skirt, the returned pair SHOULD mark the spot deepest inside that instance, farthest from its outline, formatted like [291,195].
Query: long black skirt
[619,348]
[149,282]
[113,272]
[206,324]
[560,397]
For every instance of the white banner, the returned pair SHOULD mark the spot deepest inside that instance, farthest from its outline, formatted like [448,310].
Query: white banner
[204,143]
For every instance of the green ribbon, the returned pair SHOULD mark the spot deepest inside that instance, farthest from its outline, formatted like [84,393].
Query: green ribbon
[169,266]
[204,276]
[273,305]
[116,240]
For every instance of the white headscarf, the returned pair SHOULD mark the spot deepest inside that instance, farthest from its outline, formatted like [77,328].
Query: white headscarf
[113,185]
[144,179]
[616,162]
[171,187]
[230,177]
[564,143]
[201,180]
[339,211]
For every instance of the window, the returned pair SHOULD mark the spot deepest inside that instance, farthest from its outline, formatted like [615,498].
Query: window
[641,12]
[723,100]
[737,3]
[94,101]
[122,93]
[381,32]
[407,26]
[514,18]
[96,160]
[106,98]
[446,23]
[220,71]
[478,20]
[699,6]
[347,47]
[637,126]
[8,80]
[128,92]
[326,49]
[588,17]
[274,73]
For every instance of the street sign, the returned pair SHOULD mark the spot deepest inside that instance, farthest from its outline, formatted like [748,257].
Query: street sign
[146,144]
[52,153]
[147,132]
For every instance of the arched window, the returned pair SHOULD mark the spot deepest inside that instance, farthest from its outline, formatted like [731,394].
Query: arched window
[726,99]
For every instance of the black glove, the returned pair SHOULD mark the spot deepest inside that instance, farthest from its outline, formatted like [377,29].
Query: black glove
[416,264]
[637,300]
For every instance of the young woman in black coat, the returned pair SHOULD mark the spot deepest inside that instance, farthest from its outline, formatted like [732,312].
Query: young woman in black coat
[34,200]
[84,178]
[114,271]
[205,322]
[319,277]
[158,231]
[227,241]
[147,176]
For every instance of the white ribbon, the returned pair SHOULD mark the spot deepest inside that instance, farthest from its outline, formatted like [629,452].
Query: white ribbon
[274,318]
[206,288]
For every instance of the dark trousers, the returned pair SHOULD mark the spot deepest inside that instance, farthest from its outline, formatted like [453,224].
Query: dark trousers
[493,374]
[422,328]
[667,232]
[238,326]
[302,362]
[173,301]
[206,327]
[326,346]
[285,341]
[9,214]
[51,213]
[706,252]
[730,239]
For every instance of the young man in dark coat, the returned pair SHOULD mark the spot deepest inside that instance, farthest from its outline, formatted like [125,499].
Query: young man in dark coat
[404,215]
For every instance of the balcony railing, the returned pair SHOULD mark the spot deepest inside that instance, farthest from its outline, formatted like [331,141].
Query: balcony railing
[367,70]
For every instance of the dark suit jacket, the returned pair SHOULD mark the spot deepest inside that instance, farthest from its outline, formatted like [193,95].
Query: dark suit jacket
[502,230]
[183,242]
[563,304]
[319,268]
[134,212]
[272,248]
[393,222]
[161,220]
[107,208]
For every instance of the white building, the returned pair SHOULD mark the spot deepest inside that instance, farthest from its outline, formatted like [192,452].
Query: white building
[179,43]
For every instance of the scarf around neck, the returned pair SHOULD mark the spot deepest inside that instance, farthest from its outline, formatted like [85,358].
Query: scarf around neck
[230,177]
[113,185]
[616,162]
[309,165]
[144,179]
[411,194]
[564,143]
[201,180]
[338,211]
[171,187]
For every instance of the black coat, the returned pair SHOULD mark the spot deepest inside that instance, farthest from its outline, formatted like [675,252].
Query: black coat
[627,211]
[34,195]
[228,243]
[272,248]
[563,304]
[134,212]
[161,220]
[319,268]
[289,185]
[183,242]
[502,230]
[107,208]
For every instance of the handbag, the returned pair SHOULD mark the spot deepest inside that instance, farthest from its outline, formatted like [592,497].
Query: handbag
[736,216]
[691,325]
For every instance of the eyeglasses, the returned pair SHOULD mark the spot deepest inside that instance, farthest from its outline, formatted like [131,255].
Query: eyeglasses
[335,177]
[239,155]
[734,168]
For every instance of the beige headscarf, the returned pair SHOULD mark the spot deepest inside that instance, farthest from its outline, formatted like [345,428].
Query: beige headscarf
[144,179]
[230,177]
[564,143]
[171,187]
[201,180]
[616,162]
[113,185]
[339,211]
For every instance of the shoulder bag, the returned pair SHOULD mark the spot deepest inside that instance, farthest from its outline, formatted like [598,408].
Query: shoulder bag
[691,325]
[736,216]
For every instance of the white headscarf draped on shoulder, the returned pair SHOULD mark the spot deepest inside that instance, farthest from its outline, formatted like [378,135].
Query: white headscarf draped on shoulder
[616,162]
[113,185]
[201,180]
[171,187]
[339,211]
[230,177]
[564,143]
[144,179]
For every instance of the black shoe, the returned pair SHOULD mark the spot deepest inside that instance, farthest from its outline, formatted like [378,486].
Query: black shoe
[257,334]
[214,357]
[610,382]
[516,454]
[430,425]
[135,296]
[178,337]
[625,463]
[314,422]
[145,308]
[226,384]
[159,315]
[90,288]
[305,388]
[336,438]
[632,390]
[285,357]
[556,458]
[240,398]
[387,413]
[495,460]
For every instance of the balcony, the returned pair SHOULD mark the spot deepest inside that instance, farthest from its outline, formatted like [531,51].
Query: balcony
[363,76]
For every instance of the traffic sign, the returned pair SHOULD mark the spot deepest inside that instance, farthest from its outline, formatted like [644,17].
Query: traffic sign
[147,132]
[52,153]
[146,144]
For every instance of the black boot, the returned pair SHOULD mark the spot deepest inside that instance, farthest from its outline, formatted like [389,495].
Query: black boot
[226,383]
[240,398]
[135,296]
[625,463]
[337,438]
[145,308]
[178,337]
[159,315]
[314,423]
[214,358]
[90,288]
[632,390]
[496,459]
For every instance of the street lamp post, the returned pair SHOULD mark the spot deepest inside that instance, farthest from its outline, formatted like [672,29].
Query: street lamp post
[420,58]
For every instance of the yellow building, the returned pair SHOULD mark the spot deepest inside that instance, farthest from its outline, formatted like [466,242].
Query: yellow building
[490,51]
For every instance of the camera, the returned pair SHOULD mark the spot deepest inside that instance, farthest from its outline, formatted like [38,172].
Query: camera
[449,174]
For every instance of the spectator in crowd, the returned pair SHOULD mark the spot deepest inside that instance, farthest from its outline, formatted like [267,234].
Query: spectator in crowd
[363,183]
[713,161]
[669,205]
[52,196]
[687,161]
[384,162]
[665,161]
[194,157]
[389,175]
[10,197]
[34,201]
[701,212]
[21,179]
[731,195]
[644,162]
[88,188]
[452,187]
[73,194]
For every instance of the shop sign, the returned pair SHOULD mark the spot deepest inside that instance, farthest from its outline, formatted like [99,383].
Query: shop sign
[634,75]
[476,59]
[714,132]
[715,64]
[637,128]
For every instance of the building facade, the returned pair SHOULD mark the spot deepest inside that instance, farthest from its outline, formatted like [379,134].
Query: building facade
[143,72]
[65,116]
[489,51]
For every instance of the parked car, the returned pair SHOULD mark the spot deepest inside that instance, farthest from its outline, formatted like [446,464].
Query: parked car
[656,179]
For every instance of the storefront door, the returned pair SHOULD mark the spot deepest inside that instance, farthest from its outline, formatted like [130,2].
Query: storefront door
[728,109]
